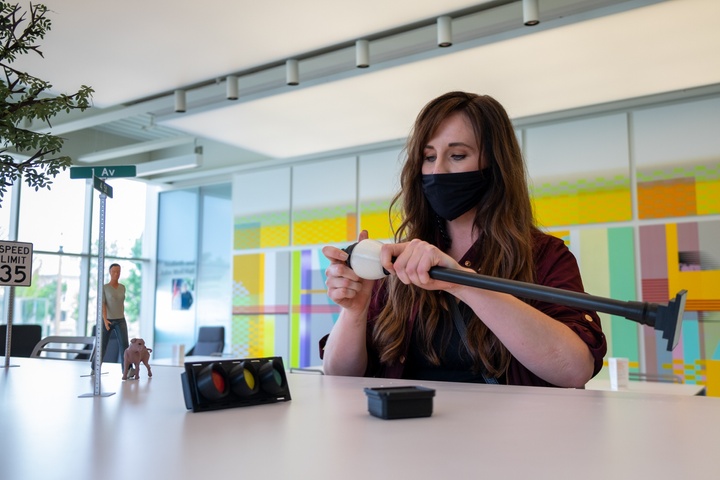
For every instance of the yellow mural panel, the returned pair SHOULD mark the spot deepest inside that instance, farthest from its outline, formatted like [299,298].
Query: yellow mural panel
[712,378]
[248,279]
[563,235]
[376,224]
[673,260]
[253,336]
[246,237]
[708,197]
[275,236]
[701,285]
[257,336]
[560,210]
[605,206]
[314,232]
[268,346]
[351,232]
[583,208]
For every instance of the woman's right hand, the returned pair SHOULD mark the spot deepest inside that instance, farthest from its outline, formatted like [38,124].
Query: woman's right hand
[344,287]
[345,351]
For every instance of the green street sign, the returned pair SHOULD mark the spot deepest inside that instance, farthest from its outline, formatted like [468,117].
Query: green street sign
[103,172]
[102,187]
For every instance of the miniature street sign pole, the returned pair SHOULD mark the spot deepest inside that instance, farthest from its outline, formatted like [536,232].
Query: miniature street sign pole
[105,191]
[15,271]
[99,174]
[102,187]
[8,328]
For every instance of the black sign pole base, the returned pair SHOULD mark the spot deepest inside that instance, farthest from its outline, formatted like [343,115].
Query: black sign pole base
[8,331]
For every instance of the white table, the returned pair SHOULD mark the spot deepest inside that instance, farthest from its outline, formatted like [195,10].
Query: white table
[172,362]
[325,431]
[648,387]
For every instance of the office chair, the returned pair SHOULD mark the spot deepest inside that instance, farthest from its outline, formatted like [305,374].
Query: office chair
[24,338]
[211,341]
[60,347]
[112,352]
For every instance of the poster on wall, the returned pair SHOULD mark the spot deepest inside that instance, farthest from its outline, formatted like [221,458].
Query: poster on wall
[182,293]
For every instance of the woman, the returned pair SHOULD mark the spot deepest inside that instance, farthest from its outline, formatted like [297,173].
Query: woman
[466,206]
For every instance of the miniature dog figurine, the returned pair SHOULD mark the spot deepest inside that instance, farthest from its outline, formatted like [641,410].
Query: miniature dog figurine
[136,354]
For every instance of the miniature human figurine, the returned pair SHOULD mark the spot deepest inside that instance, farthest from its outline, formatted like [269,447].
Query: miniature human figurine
[113,311]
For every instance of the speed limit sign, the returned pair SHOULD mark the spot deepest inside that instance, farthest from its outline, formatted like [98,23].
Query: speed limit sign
[16,263]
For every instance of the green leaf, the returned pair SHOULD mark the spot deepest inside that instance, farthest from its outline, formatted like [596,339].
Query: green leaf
[21,98]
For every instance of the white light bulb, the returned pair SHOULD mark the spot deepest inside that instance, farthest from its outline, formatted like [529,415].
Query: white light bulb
[365,260]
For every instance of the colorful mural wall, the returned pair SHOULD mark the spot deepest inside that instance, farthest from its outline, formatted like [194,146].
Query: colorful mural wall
[672,257]
[260,302]
[644,241]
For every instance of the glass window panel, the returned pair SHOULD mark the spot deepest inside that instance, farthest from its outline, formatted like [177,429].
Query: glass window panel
[52,299]
[379,181]
[177,226]
[176,268]
[579,171]
[261,209]
[124,218]
[519,138]
[54,219]
[677,150]
[323,202]
[214,285]
[685,132]
[5,210]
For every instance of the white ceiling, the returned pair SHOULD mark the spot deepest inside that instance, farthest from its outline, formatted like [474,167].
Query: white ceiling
[135,53]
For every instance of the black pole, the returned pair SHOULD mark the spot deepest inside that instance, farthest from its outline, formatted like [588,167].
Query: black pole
[665,318]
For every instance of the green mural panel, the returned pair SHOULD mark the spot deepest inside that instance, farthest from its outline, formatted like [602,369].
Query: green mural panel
[621,256]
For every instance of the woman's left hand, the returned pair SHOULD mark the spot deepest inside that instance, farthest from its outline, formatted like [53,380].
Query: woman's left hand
[413,261]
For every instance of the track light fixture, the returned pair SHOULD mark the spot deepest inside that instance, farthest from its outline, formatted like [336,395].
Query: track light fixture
[362,54]
[231,86]
[531,12]
[444,31]
[292,72]
[444,27]
[180,102]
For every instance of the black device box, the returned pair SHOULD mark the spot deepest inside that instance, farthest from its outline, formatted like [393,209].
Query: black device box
[400,402]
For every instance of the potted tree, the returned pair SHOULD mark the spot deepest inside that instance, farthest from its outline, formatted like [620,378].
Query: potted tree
[25,154]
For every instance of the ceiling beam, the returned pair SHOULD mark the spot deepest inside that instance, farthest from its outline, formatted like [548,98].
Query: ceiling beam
[136,148]
[211,94]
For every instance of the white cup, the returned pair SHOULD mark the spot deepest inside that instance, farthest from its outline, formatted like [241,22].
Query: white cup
[619,372]
[178,354]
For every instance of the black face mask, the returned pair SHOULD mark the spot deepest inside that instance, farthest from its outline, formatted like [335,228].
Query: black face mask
[452,194]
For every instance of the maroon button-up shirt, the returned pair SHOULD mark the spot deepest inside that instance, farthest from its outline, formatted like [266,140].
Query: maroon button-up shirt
[555,267]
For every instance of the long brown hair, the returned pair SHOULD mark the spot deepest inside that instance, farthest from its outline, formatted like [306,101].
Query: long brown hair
[503,221]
